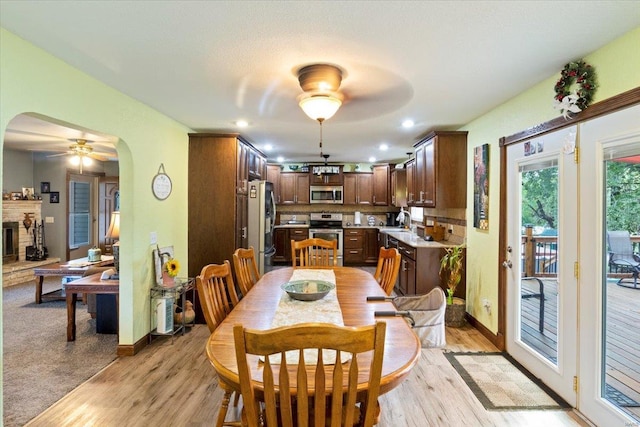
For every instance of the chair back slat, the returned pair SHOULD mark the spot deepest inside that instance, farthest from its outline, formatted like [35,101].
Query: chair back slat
[312,385]
[314,252]
[387,269]
[246,269]
[217,293]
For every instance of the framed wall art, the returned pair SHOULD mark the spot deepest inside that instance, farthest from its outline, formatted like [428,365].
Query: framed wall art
[54,197]
[481,187]
[45,187]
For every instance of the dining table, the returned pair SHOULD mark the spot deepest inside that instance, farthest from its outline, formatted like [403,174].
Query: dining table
[353,285]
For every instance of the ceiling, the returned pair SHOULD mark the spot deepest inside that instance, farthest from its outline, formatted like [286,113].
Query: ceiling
[209,64]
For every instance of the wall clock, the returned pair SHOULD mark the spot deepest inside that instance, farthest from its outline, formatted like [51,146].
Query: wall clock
[161,184]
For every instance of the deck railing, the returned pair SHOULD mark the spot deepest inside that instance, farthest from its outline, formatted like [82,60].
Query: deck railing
[539,255]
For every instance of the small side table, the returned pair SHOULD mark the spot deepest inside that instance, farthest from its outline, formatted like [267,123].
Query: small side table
[164,298]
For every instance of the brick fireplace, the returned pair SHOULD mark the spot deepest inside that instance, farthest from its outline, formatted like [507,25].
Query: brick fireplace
[13,211]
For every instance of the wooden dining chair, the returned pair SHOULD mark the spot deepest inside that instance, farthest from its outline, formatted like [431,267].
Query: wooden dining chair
[217,296]
[387,270]
[294,391]
[246,268]
[315,253]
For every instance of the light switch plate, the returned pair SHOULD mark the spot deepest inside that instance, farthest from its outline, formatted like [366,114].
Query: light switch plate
[48,219]
[153,238]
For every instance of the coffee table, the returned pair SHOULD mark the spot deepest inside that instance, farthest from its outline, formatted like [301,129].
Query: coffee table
[74,267]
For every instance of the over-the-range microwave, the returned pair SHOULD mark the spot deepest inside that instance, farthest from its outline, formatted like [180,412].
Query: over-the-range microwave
[326,194]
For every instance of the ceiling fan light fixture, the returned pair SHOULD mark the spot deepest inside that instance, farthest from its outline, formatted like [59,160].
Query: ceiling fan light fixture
[320,106]
[320,77]
[74,160]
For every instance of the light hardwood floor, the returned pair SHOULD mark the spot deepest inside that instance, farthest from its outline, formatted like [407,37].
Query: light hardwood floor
[173,384]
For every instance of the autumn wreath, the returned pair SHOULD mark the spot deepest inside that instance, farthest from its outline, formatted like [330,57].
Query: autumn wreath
[576,100]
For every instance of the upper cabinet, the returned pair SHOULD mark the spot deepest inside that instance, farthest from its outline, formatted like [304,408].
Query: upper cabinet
[358,188]
[439,174]
[326,175]
[252,165]
[411,182]
[381,185]
[294,188]
[398,187]
[273,176]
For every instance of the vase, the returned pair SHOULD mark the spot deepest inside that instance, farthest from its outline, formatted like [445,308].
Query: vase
[167,280]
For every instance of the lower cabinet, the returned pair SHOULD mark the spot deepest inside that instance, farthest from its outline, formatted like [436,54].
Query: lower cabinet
[282,241]
[360,246]
[419,269]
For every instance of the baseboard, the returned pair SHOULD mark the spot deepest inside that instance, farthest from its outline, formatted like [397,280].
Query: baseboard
[132,350]
[496,339]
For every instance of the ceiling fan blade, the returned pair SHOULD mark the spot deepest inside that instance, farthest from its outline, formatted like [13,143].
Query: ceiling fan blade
[97,156]
[58,155]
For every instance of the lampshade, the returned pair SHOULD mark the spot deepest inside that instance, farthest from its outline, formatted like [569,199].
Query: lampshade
[320,107]
[114,226]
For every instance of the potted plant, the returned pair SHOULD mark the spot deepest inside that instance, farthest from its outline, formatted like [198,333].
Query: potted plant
[451,269]
[451,266]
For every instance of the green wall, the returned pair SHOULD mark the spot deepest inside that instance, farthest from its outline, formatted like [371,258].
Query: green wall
[617,66]
[34,81]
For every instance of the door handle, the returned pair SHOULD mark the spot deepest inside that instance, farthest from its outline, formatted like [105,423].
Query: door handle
[507,264]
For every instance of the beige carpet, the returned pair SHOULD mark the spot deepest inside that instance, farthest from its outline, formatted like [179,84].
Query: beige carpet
[500,383]
[39,366]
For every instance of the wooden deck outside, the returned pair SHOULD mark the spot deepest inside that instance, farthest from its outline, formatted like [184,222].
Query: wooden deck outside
[622,343]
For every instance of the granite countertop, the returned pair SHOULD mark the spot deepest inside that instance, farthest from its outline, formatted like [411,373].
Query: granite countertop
[412,240]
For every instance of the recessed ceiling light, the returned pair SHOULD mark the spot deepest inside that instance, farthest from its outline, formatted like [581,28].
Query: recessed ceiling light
[372,159]
[407,123]
[384,147]
[280,159]
[242,123]
[268,147]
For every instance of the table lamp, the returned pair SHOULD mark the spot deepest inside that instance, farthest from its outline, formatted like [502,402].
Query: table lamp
[114,234]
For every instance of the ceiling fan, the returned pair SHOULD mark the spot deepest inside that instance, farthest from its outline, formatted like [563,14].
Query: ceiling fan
[81,153]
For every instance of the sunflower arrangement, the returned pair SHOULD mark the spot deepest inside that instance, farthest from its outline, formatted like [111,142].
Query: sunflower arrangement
[172,267]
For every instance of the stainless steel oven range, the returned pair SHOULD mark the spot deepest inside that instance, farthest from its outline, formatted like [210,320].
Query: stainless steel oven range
[327,226]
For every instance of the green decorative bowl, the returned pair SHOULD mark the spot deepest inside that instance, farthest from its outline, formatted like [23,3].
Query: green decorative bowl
[307,290]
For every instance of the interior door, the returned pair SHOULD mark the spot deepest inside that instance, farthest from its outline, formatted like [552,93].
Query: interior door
[610,339]
[82,208]
[540,258]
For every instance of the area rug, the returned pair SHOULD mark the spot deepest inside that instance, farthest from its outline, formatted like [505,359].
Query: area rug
[39,366]
[501,383]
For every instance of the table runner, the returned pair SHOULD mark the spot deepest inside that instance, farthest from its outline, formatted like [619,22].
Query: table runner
[326,310]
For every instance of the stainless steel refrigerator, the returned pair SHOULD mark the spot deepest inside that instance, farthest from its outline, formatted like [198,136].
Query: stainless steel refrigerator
[262,218]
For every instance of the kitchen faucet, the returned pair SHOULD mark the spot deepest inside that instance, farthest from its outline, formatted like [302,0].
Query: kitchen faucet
[402,217]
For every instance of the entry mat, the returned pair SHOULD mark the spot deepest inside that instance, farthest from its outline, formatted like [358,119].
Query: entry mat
[501,383]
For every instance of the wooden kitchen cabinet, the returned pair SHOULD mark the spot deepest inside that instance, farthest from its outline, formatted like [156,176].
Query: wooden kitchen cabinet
[420,269]
[372,246]
[358,188]
[361,246]
[381,185]
[273,176]
[282,241]
[354,243]
[294,188]
[440,171]
[217,199]
[398,188]
[411,181]
[326,178]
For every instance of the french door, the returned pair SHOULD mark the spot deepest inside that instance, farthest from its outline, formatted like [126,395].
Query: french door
[609,324]
[542,250]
